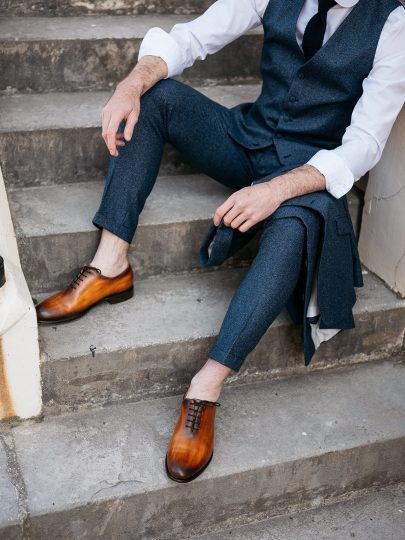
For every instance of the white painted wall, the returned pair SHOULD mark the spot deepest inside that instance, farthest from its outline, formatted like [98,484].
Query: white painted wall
[382,238]
[20,385]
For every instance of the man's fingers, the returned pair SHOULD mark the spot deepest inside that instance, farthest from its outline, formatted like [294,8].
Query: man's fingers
[105,117]
[112,133]
[223,209]
[130,125]
[247,225]
[233,213]
[237,222]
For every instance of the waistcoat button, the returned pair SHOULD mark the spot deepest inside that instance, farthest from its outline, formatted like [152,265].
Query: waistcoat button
[293,99]
[301,76]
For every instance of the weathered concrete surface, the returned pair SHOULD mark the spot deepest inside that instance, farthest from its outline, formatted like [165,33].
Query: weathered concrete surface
[50,8]
[56,235]
[9,508]
[376,516]
[153,344]
[382,241]
[93,53]
[56,138]
[310,438]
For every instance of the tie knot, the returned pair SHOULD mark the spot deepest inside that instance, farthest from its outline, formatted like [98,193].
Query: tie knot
[325,5]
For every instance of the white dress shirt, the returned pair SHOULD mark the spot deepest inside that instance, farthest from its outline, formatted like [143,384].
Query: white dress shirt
[374,114]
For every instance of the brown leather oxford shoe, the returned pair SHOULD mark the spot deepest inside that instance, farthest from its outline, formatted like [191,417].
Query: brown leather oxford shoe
[88,289]
[192,444]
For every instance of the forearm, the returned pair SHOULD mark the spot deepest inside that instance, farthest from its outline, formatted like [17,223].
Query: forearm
[147,72]
[253,204]
[299,181]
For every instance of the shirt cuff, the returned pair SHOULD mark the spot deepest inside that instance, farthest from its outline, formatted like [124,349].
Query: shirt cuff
[339,178]
[157,42]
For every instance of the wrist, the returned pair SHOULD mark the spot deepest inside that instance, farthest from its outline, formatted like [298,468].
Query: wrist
[299,181]
[279,189]
[132,85]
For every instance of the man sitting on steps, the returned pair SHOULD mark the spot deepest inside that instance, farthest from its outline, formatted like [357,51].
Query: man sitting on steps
[333,82]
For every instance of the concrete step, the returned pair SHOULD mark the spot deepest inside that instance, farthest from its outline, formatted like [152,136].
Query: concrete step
[51,8]
[377,515]
[56,138]
[151,345]
[42,54]
[100,473]
[55,233]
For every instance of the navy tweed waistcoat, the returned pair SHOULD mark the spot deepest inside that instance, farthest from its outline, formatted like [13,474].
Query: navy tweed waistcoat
[305,106]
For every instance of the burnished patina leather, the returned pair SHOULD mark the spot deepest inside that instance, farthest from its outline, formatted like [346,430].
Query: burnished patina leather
[88,289]
[192,444]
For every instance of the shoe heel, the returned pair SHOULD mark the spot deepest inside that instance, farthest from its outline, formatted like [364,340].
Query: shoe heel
[120,297]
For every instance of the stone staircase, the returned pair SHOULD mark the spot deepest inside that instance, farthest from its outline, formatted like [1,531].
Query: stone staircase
[289,438]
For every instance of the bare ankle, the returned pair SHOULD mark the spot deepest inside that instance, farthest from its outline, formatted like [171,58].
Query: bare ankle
[111,257]
[208,382]
[110,268]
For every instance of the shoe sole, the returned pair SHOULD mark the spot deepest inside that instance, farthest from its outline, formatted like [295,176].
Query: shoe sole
[114,299]
[185,480]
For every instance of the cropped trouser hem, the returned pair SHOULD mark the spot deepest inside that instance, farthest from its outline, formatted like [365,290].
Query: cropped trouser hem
[225,358]
[103,222]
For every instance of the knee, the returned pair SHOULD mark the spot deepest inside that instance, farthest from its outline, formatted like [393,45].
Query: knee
[160,94]
[285,230]
[295,227]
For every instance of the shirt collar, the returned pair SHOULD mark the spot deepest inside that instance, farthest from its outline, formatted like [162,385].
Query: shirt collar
[347,3]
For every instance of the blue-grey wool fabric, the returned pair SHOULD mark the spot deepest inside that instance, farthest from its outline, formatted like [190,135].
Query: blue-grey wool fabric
[174,112]
[304,106]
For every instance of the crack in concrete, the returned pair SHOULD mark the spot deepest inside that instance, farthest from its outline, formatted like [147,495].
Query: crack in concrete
[396,269]
[112,485]
[384,198]
[17,480]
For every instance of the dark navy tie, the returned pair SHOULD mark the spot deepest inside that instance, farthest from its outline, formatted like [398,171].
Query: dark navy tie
[315,31]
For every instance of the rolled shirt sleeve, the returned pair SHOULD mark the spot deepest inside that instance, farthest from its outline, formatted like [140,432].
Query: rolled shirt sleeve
[374,115]
[157,42]
[222,23]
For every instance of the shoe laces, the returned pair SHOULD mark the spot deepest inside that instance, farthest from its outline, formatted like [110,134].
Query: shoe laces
[194,412]
[82,275]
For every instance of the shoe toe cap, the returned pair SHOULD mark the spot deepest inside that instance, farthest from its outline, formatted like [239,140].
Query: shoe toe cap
[182,469]
[43,313]
[47,310]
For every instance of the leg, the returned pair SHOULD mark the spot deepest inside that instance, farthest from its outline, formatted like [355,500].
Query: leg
[197,126]
[261,296]
[170,112]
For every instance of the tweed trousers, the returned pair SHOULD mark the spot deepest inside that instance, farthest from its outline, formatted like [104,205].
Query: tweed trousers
[172,112]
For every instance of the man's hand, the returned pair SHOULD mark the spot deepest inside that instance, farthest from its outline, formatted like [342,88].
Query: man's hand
[248,206]
[125,102]
[124,105]
[253,204]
